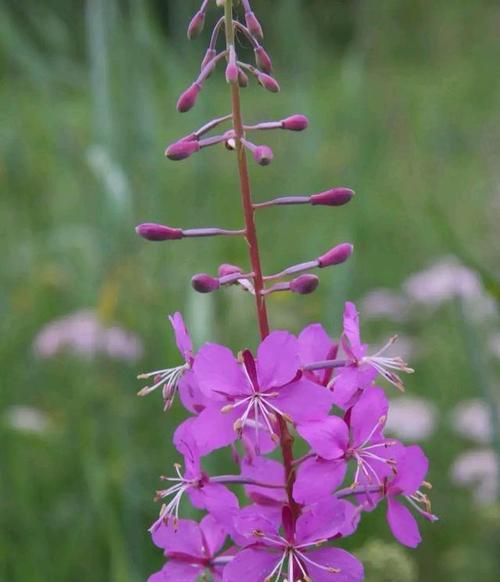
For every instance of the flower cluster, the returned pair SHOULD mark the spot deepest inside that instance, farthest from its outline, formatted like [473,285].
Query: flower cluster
[260,404]
[327,393]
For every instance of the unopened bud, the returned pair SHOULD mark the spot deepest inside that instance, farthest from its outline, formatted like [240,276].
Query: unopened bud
[263,155]
[209,55]
[263,60]
[242,79]
[295,123]
[304,284]
[196,25]
[158,232]
[188,99]
[253,25]
[336,256]
[227,269]
[333,197]
[203,283]
[232,73]
[181,150]
[268,82]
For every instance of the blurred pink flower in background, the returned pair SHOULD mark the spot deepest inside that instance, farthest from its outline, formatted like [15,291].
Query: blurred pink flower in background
[27,419]
[411,418]
[82,334]
[472,419]
[385,304]
[478,468]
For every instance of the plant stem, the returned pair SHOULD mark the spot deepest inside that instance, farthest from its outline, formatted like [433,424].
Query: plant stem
[286,439]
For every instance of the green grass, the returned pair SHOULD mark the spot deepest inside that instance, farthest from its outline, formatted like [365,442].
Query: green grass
[403,104]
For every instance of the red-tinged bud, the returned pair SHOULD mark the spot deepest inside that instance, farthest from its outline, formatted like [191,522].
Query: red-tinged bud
[209,55]
[268,82]
[196,25]
[263,155]
[304,284]
[182,149]
[232,73]
[203,283]
[253,25]
[188,99]
[158,232]
[242,79]
[333,197]
[336,256]
[295,123]
[263,60]
[228,269]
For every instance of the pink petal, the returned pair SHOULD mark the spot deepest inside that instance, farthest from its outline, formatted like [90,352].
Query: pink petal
[173,570]
[265,471]
[412,469]
[277,359]
[213,429]
[181,336]
[328,438]
[219,501]
[250,565]
[365,415]
[345,386]
[351,569]
[213,533]
[183,538]
[190,394]
[351,325]
[317,479]
[218,373]
[403,525]
[314,344]
[321,520]
[304,401]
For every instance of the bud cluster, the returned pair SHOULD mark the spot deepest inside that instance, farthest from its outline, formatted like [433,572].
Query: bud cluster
[310,387]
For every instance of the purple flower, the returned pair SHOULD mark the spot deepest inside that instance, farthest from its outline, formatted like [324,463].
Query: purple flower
[169,379]
[359,438]
[316,345]
[252,393]
[411,471]
[296,553]
[361,370]
[191,549]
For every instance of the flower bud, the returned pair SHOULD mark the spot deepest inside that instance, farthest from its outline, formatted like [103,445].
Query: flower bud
[304,284]
[232,73]
[336,256]
[188,99]
[196,25]
[209,55]
[263,60]
[181,150]
[242,79]
[253,25]
[333,197]
[158,232]
[295,123]
[203,283]
[268,82]
[263,155]
[228,269]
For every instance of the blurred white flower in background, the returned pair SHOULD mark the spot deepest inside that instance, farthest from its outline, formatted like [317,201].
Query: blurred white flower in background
[27,419]
[411,418]
[82,334]
[478,468]
[385,304]
[471,419]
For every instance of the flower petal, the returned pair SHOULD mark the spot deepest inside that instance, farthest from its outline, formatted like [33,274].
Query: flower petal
[265,471]
[190,394]
[304,401]
[315,344]
[320,521]
[351,569]
[403,525]
[219,373]
[328,438]
[173,570]
[351,327]
[277,360]
[182,338]
[412,469]
[214,534]
[366,414]
[317,478]
[250,565]
[182,538]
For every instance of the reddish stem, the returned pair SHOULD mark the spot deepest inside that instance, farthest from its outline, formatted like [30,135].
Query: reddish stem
[286,439]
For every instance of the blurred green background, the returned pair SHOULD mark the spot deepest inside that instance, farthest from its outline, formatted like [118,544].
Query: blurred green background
[403,99]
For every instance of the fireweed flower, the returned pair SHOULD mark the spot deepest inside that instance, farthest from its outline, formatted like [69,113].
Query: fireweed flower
[168,379]
[294,553]
[288,388]
[361,369]
[253,393]
[192,550]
